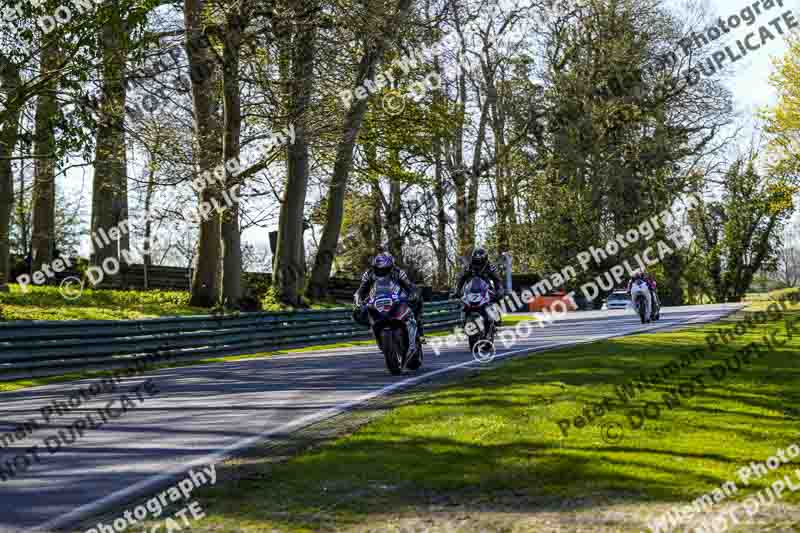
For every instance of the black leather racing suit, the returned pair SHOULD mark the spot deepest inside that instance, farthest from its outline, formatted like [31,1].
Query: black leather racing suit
[402,279]
[488,273]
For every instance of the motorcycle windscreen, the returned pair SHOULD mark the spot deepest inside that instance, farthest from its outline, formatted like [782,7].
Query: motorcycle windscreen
[383,293]
[475,291]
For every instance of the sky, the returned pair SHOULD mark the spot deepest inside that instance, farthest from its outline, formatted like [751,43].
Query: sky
[749,77]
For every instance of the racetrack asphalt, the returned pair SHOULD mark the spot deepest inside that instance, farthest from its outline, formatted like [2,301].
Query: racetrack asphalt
[204,414]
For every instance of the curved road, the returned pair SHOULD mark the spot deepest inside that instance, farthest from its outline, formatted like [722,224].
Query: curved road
[203,414]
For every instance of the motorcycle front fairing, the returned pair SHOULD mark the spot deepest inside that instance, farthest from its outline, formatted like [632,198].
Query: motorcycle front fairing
[476,299]
[388,307]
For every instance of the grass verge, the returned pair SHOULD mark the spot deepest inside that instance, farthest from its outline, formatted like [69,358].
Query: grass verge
[487,453]
[47,303]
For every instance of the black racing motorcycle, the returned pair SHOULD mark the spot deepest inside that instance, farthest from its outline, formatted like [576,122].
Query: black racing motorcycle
[478,316]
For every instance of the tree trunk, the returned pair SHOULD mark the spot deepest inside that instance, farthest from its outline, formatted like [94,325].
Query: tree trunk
[673,267]
[207,155]
[393,221]
[475,173]
[320,275]
[232,124]
[441,216]
[9,74]
[459,172]
[110,186]
[466,180]
[22,214]
[504,199]
[147,248]
[44,147]
[289,275]
[377,220]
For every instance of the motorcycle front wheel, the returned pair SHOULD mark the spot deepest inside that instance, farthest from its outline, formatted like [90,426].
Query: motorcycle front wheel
[392,351]
[642,308]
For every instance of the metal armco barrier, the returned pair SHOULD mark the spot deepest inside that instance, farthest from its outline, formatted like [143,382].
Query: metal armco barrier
[27,346]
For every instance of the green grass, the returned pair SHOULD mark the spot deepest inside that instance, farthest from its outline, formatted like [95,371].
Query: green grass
[516,318]
[47,303]
[495,435]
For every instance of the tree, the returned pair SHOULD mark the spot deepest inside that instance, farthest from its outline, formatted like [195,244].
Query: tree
[740,234]
[298,69]
[783,119]
[11,85]
[374,48]
[44,185]
[207,153]
[110,188]
[617,138]
[788,255]
[231,145]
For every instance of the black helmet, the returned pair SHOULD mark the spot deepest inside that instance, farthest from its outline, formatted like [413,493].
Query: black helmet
[479,259]
[382,264]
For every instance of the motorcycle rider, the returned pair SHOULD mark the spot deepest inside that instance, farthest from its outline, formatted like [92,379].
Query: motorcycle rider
[651,284]
[383,265]
[480,267]
[637,286]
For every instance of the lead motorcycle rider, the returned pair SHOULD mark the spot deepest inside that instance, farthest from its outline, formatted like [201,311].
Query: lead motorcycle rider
[383,265]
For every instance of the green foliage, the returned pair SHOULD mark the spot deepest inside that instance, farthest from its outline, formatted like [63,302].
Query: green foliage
[270,300]
[783,118]
[783,294]
[740,233]
[614,136]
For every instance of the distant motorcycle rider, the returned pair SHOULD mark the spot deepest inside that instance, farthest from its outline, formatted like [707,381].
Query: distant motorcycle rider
[480,267]
[651,284]
[383,265]
[639,287]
